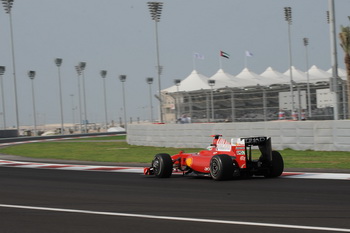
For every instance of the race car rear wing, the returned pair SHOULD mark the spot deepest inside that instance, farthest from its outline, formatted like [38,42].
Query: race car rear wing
[264,145]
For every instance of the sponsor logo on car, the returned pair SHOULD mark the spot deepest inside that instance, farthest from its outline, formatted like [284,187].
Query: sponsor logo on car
[223,145]
[241,152]
[255,140]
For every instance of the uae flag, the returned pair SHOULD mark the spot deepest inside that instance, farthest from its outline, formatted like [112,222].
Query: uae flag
[225,55]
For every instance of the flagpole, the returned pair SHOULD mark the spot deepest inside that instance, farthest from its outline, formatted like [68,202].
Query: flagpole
[225,55]
[247,54]
[194,61]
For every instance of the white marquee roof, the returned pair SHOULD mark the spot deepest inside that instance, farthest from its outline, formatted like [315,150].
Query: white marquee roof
[223,79]
[246,74]
[341,73]
[246,78]
[316,74]
[275,75]
[195,81]
[298,75]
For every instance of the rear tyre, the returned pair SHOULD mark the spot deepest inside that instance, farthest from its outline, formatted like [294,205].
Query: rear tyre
[221,167]
[277,165]
[162,165]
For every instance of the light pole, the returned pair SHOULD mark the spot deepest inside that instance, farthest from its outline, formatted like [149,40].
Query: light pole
[73,108]
[122,78]
[306,43]
[77,68]
[58,62]
[2,71]
[155,9]
[103,74]
[31,75]
[288,18]
[8,6]
[177,83]
[82,66]
[233,105]
[332,32]
[149,80]
[211,83]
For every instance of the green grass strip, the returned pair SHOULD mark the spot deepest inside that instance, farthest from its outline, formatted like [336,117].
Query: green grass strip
[102,149]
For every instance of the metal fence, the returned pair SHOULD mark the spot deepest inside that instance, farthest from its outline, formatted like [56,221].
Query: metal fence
[309,102]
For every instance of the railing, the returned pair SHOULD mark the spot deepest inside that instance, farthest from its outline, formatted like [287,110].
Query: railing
[21,139]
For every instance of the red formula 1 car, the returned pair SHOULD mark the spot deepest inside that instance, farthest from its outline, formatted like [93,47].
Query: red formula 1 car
[222,160]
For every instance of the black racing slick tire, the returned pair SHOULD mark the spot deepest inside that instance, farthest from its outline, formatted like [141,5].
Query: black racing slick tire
[221,167]
[162,165]
[277,165]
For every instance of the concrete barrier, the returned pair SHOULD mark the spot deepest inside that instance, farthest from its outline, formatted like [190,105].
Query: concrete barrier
[8,133]
[297,135]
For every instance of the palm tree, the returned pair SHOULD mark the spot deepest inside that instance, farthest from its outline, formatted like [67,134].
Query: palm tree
[344,36]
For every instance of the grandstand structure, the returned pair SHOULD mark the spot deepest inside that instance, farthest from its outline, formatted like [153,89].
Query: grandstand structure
[249,97]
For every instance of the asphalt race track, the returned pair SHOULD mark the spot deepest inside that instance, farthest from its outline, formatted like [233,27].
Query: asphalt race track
[43,200]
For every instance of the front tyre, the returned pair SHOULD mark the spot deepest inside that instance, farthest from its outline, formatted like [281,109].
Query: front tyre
[162,165]
[221,167]
[277,165]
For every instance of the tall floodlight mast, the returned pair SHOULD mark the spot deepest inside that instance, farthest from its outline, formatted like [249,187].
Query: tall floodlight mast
[155,9]
[334,58]
[288,18]
[8,7]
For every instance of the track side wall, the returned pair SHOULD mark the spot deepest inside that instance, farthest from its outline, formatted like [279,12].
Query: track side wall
[297,135]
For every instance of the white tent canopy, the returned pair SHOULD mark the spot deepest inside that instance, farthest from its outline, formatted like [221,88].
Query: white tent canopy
[223,79]
[246,78]
[316,74]
[279,78]
[195,81]
[298,75]
[246,74]
[341,73]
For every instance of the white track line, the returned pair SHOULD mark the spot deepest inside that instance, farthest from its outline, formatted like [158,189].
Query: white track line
[72,167]
[9,163]
[312,175]
[300,227]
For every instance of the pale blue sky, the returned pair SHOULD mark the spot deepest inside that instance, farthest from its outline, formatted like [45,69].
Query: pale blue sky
[119,36]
